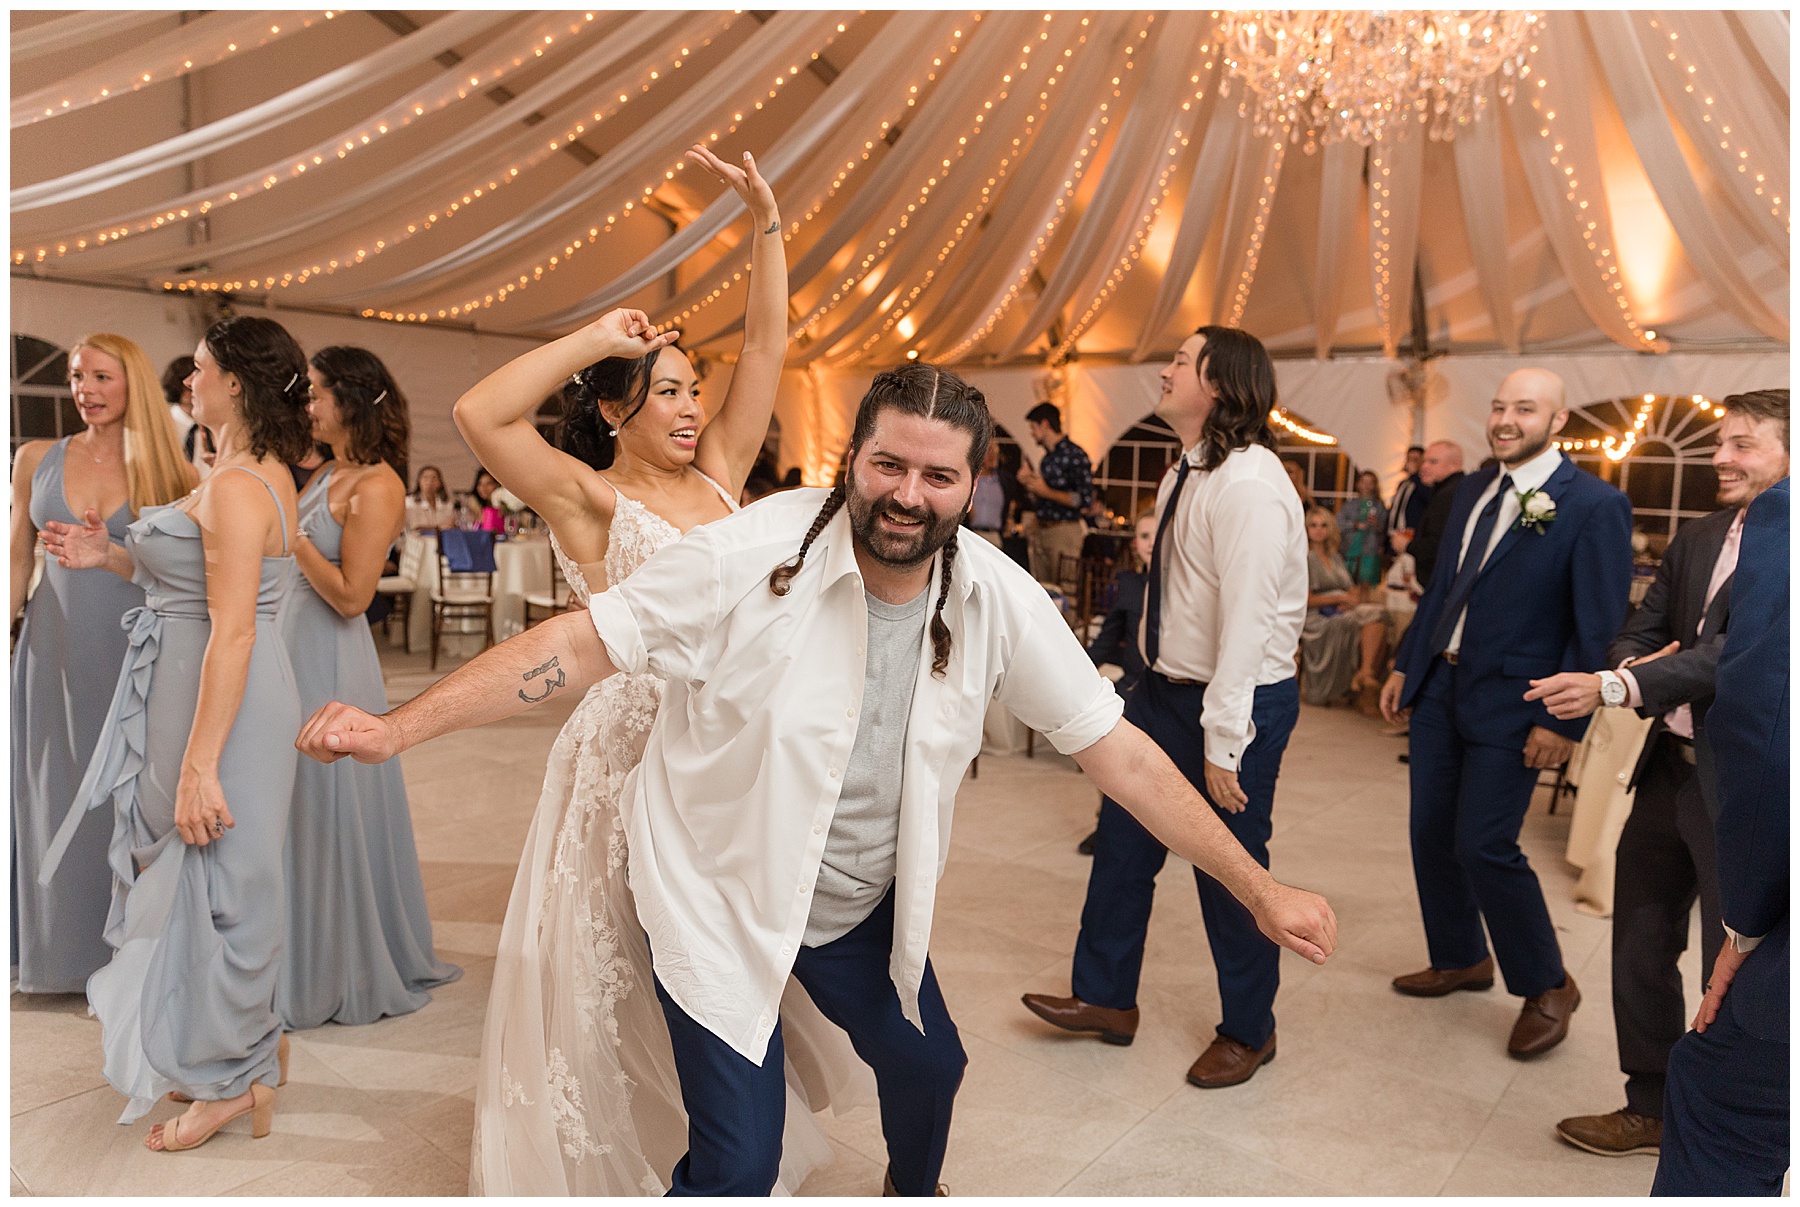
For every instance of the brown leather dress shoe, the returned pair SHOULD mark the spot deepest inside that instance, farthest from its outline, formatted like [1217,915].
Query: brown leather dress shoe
[1436,982]
[888,1191]
[1073,1014]
[1227,1062]
[1616,1135]
[1544,1020]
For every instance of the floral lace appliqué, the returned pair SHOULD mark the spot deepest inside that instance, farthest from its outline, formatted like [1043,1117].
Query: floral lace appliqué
[566,1106]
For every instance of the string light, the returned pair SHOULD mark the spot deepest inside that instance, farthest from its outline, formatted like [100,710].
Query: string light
[1286,423]
[471,196]
[431,99]
[1604,260]
[1758,181]
[866,271]
[250,31]
[1617,448]
[503,292]
[1134,249]
[713,288]
[1265,199]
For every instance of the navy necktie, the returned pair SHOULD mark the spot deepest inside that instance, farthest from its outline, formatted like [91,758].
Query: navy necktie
[1464,583]
[1153,591]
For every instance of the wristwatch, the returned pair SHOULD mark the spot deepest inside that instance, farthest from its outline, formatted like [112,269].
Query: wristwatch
[1612,689]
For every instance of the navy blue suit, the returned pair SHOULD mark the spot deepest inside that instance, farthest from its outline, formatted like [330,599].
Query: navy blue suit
[1725,1116]
[1542,603]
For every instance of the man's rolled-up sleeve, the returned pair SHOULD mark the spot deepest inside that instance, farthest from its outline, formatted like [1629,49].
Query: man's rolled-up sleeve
[1051,685]
[659,619]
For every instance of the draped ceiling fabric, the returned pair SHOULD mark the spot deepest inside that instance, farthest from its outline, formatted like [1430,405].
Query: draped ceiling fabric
[1008,191]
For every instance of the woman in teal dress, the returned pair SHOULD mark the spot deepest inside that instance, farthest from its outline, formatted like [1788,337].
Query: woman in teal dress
[197,755]
[1362,523]
[71,646]
[358,935]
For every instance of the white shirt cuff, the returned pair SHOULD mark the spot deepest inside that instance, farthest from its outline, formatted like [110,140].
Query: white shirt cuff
[1227,750]
[1633,697]
[619,632]
[1742,944]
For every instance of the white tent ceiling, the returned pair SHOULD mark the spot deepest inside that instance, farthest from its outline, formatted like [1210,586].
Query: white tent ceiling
[986,188]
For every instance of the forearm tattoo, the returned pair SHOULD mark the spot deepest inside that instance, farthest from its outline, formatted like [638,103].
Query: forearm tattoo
[550,683]
[773,227]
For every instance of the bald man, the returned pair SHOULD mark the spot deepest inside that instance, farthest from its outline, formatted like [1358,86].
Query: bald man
[1441,471]
[1532,580]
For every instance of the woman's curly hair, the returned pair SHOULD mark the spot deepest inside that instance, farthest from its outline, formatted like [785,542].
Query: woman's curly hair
[370,405]
[271,368]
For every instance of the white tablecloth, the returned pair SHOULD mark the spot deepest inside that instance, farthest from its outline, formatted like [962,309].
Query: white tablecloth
[1601,768]
[521,565]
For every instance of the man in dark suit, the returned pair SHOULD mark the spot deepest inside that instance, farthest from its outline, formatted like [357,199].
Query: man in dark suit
[1442,472]
[1534,577]
[1407,508]
[1725,1119]
[1665,660]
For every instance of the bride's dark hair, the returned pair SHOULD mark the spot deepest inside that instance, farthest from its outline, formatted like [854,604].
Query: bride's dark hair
[583,431]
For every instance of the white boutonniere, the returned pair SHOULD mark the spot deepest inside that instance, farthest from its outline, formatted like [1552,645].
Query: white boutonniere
[1536,510]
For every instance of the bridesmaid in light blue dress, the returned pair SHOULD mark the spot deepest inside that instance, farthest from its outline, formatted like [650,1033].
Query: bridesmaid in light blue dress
[358,935]
[197,758]
[71,647]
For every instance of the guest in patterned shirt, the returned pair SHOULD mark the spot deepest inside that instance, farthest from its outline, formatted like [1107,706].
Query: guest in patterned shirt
[1062,489]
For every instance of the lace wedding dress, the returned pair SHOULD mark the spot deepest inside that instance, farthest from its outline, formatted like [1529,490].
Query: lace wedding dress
[576,1092]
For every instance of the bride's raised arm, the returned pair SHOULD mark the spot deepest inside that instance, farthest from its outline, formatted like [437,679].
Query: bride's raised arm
[730,442]
[495,416]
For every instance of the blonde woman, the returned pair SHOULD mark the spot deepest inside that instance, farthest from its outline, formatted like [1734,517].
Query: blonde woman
[1341,641]
[126,458]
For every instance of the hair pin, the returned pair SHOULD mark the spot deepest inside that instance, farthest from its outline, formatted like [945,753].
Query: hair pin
[378,399]
[290,384]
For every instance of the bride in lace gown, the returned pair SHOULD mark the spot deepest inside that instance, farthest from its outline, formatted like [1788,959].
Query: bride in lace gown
[577,1092]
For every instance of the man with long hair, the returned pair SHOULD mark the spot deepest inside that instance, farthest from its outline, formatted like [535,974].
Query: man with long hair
[1223,608]
[828,657]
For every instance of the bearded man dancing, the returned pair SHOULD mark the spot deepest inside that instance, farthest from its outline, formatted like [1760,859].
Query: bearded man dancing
[828,660]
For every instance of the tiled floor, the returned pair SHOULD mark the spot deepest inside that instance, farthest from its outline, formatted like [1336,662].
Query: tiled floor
[1373,1093]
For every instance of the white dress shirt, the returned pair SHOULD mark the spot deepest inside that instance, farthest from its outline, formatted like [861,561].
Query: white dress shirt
[1528,477]
[727,814]
[1234,589]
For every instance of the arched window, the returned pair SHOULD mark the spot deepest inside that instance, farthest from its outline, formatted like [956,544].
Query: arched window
[1125,478]
[1658,449]
[42,407]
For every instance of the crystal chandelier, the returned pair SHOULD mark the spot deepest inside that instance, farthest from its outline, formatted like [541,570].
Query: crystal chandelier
[1359,75]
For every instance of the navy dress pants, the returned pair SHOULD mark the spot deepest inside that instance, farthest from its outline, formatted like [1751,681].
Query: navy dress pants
[736,1109]
[1109,953]
[1470,791]
[1725,1116]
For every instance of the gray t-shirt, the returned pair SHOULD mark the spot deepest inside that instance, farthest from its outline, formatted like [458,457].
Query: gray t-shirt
[861,848]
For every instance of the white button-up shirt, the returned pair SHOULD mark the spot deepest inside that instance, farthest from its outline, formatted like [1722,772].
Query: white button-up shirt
[1528,477]
[1234,589]
[728,812]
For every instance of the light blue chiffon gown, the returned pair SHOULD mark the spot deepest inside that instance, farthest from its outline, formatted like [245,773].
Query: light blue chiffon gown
[187,1001]
[63,672]
[358,934]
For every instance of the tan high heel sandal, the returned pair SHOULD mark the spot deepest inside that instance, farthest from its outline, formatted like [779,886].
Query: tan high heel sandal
[262,1120]
[281,1058]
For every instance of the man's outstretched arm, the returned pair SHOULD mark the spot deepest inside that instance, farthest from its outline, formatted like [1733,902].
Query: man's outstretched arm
[1133,770]
[561,656]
